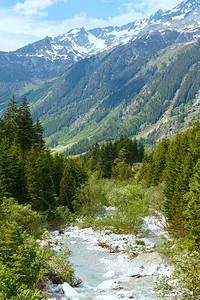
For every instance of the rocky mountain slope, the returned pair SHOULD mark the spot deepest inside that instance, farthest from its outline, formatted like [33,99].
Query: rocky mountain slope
[134,79]
[79,43]
[50,57]
[124,91]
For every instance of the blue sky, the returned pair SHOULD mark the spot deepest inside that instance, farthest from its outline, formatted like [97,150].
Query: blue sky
[25,21]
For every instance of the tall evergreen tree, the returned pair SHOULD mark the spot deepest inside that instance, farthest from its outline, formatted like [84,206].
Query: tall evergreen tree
[39,179]
[9,118]
[107,157]
[38,134]
[73,176]
[26,133]
[177,184]
[11,170]
[11,111]
[193,210]
[57,171]
[156,173]
[140,153]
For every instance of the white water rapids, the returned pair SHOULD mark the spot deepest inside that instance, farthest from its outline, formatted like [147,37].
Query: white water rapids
[111,276]
[90,267]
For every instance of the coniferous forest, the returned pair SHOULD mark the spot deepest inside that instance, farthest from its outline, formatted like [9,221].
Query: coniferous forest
[40,190]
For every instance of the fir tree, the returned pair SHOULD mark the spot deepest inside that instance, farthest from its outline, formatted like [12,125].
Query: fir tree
[73,176]
[10,123]
[156,173]
[57,172]
[24,121]
[177,184]
[39,179]
[193,209]
[38,134]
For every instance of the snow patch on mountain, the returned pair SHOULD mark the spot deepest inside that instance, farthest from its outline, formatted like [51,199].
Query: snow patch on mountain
[178,17]
[79,43]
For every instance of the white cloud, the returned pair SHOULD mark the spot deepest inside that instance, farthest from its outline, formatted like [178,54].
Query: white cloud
[152,6]
[34,7]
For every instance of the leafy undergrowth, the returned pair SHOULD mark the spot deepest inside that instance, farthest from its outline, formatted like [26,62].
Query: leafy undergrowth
[125,201]
[184,283]
[24,265]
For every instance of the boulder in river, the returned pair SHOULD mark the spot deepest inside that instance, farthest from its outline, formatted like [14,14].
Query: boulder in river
[146,264]
[108,285]
[125,295]
[70,292]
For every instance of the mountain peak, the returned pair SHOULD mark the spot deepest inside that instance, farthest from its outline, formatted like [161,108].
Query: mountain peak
[79,43]
[185,7]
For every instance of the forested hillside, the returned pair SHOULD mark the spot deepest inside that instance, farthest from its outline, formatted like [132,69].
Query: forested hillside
[30,180]
[39,189]
[176,163]
[86,86]
[144,87]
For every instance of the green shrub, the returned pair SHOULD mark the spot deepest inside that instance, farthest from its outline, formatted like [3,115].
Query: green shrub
[27,294]
[61,215]
[154,195]
[127,199]
[24,263]
[8,282]
[90,198]
[59,266]
[130,207]
[122,171]
[185,279]
[27,218]
[140,242]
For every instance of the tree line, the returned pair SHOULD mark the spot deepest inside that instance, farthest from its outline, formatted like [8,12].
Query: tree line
[177,163]
[43,187]
[31,174]
[29,180]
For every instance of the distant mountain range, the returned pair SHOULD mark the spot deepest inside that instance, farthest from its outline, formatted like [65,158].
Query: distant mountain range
[79,43]
[93,85]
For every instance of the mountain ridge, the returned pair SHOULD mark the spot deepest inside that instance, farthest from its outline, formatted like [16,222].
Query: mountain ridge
[69,43]
[100,107]
[103,92]
[79,43]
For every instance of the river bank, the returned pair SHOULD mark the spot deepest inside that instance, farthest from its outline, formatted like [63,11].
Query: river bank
[129,272]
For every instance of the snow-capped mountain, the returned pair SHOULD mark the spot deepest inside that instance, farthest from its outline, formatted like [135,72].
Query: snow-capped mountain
[79,43]
[184,18]
[50,57]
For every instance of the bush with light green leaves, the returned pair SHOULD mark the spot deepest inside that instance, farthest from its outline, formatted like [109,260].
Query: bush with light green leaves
[130,207]
[184,283]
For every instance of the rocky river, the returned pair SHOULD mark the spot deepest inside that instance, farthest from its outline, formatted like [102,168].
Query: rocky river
[112,266]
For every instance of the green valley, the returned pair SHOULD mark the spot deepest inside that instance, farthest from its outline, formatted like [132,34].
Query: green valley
[131,90]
